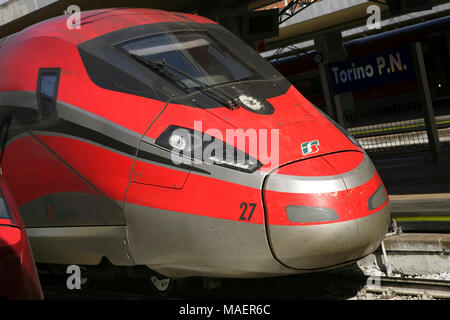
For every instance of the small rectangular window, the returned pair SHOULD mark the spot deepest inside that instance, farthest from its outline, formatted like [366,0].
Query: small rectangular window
[47,91]
[4,210]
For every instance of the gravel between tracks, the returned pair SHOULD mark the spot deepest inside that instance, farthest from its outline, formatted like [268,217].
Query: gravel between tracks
[373,271]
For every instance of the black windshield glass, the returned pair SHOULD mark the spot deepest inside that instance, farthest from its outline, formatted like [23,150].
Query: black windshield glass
[194,53]
[173,60]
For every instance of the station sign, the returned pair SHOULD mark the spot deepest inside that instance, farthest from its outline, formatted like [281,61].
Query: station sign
[377,69]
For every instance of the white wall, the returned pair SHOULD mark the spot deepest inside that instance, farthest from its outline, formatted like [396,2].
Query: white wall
[13,9]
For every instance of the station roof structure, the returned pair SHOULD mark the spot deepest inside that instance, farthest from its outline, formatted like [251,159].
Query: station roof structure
[347,16]
[336,12]
[317,17]
[45,9]
[323,16]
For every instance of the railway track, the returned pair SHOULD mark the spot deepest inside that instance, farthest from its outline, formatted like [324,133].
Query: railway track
[60,293]
[314,286]
[439,289]
[393,286]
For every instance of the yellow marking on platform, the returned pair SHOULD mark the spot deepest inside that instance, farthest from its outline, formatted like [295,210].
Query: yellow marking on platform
[396,128]
[423,219]
[426,196]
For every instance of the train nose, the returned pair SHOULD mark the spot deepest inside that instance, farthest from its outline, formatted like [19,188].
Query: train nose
[325,211]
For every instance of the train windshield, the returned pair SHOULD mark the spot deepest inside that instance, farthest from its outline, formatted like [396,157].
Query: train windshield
[196,54]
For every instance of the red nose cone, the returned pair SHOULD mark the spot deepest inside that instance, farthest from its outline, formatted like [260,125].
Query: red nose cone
[321,212]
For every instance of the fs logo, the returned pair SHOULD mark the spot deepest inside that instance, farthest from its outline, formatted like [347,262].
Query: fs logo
[310,147]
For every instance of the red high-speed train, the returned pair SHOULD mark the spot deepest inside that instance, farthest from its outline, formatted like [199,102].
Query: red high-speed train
[118,152]
[18,276]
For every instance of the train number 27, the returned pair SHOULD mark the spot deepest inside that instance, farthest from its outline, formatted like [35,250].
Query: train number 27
[245,206]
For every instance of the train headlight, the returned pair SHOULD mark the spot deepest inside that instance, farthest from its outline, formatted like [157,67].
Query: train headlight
[200,146]
[178,142]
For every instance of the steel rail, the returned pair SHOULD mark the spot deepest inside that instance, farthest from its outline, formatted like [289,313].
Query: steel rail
[415,287]
[61,293]
[439,289]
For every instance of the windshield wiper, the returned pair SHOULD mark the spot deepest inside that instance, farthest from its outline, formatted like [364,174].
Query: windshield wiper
[157,67]
[161,66]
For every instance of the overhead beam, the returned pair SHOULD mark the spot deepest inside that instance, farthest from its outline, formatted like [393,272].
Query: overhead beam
[326,16]
[323,17]
[295,6]
[397,22]
[261,4]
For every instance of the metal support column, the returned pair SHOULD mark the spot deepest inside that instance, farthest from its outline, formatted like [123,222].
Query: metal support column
[331,46]
[326,87]
[426,102]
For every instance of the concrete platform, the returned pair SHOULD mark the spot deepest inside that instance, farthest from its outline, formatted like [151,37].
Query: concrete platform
[412,254]
[422,212]
[413,172]
[418,242]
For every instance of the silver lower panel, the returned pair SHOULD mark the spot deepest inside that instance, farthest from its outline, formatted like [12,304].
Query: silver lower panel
[80,245]
[181,245]
[326,245]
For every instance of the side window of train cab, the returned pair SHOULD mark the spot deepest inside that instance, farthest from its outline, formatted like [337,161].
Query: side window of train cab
[47,90]
[5,213]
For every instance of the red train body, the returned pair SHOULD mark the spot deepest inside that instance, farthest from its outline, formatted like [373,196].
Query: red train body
[91,162]
[18,276]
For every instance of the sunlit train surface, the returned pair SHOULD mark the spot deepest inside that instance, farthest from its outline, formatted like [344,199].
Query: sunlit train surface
[118,143]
